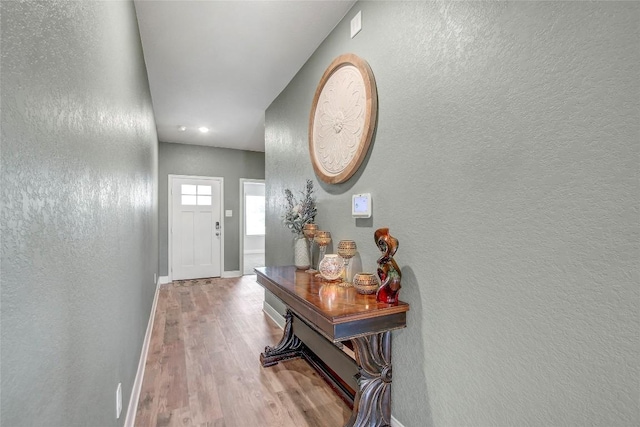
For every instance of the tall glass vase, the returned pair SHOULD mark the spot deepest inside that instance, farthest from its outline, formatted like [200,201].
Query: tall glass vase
[301,253]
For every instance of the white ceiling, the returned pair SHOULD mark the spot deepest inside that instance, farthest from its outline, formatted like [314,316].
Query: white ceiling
[220,64]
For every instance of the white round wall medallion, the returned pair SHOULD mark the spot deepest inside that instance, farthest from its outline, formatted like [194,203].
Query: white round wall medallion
[343,118]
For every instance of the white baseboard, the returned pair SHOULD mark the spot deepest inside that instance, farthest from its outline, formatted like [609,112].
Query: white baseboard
[164,279]
[254,251]
[395,423]
[137,383]
[229,274]
[273,314]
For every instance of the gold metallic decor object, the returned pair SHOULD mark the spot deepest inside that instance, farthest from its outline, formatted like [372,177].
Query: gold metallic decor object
[322,239]
[347,250]
[366,283]
[309,231]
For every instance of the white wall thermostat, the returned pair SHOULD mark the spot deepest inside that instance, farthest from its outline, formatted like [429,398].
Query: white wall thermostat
[361,205]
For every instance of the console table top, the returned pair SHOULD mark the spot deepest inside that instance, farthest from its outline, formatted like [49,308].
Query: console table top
[338,312]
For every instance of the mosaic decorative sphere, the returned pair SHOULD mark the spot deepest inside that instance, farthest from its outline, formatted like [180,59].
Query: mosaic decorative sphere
[331,267]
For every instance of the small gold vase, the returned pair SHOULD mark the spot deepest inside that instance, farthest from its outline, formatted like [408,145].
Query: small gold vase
[366,283]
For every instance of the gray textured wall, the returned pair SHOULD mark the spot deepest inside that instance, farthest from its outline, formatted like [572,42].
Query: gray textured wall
[79,210]
[183,159]
[506,163]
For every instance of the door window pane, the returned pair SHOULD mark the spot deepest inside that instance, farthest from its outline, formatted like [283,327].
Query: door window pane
[204,190]
[188,200]
[204,200]
[196,195]
[188,189]
[254,215]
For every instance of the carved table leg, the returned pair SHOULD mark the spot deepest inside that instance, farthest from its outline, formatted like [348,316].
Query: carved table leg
[372,404]
[289,346]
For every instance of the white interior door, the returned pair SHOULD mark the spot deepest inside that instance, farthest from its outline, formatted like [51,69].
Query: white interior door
[196,227]
[253,225]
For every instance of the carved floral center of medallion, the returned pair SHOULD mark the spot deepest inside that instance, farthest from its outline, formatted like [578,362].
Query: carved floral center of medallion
[338,122]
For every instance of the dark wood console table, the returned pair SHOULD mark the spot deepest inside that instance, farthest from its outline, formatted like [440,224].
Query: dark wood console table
[340,314]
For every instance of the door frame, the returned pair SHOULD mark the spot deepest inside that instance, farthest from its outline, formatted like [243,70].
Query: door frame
[241,216]
[170,200]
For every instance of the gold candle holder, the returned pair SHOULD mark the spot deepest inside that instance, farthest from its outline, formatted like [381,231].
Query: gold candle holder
[309,231]
[347,250]
[322,239]
[366,283]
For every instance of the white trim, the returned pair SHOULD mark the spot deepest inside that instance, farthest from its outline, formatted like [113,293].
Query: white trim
[170,200]
[137,383]
[395,422]
[164,279]
[241,217]
[254,251]
[230,274]
[273,314]
[222,217]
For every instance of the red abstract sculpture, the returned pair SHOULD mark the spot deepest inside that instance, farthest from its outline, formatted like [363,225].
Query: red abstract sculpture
[388,270]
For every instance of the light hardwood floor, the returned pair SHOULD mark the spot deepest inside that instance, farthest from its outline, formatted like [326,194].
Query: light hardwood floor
[203,365]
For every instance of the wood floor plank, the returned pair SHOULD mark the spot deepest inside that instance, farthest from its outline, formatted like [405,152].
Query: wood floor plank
[203,365]
[203,395]
[148,402]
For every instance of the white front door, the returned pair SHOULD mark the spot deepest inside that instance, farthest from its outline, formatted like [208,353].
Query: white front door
[196,227]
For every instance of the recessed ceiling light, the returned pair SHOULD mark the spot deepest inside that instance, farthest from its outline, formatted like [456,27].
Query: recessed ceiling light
[182,128]
[203,129]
